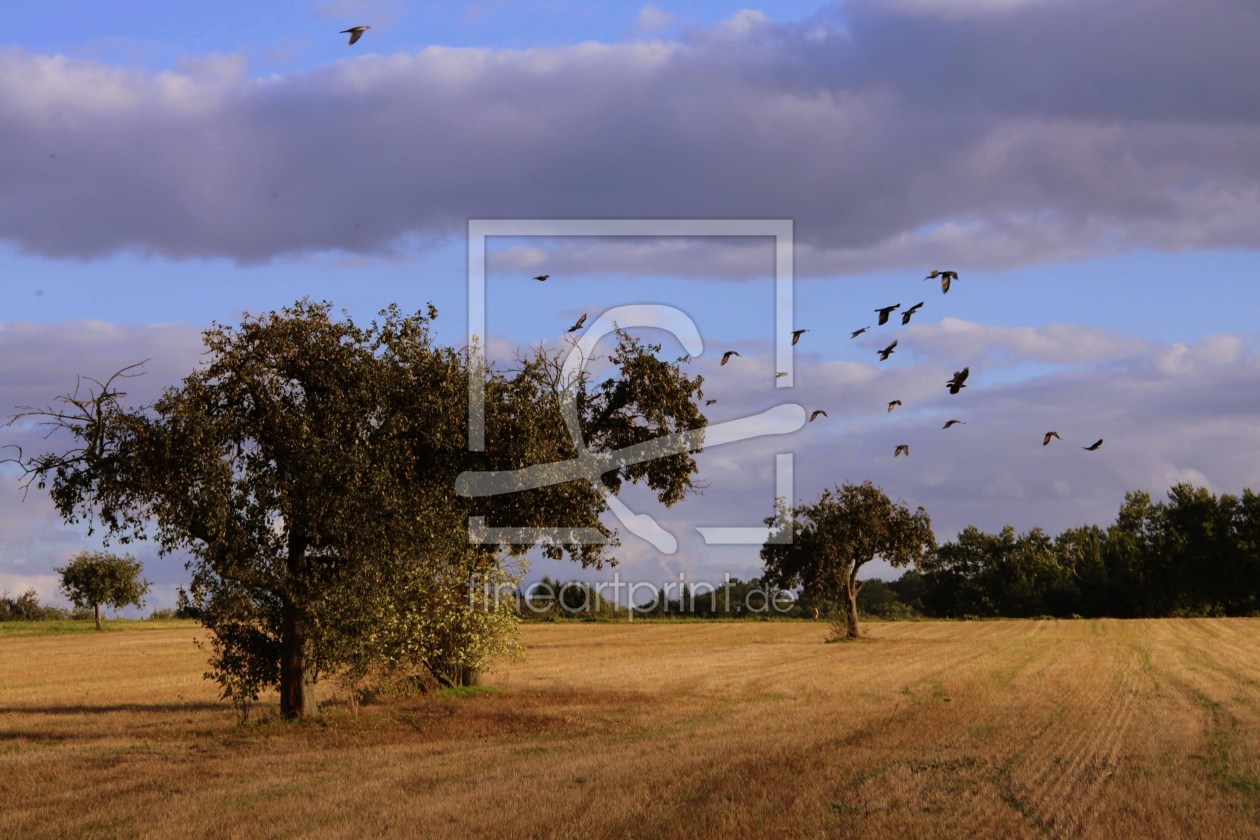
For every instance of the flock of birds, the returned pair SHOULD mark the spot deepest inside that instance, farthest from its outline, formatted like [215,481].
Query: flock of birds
[955,384]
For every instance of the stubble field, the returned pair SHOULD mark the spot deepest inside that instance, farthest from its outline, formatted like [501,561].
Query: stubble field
[991,729]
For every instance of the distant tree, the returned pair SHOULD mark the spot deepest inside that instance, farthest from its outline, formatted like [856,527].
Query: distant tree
[1242,579]
[1081,552]
[26,607]
[310,467]
[981,574]
[1131,554]
[877,599]
[911,588]
[1030,582]
[1202,558]
[96,578]
[550,599]
[833,538]
[959,573]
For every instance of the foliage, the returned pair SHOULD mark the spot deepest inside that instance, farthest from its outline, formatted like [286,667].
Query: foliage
[1194,554]
[832,538]
[878,599]
[307,467]
[97,578]
[26,607]
[548,600]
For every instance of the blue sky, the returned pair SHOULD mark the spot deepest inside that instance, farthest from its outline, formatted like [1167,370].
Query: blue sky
[1091,170]
[288,36]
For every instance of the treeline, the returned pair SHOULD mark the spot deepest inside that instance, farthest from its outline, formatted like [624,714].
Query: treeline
[26,607]
[1195,554]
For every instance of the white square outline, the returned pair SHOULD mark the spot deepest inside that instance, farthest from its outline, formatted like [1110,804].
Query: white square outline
[780,229]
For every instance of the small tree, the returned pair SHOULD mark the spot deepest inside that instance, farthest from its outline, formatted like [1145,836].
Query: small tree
[93,578]
[834,537]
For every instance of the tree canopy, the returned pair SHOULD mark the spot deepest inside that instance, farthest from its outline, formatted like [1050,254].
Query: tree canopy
[308,466]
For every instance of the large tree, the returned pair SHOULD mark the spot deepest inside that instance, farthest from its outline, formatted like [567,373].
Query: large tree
[834,537]
[99,578]
[309,467]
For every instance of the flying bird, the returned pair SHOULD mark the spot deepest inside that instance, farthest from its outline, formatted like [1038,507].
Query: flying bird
[816,414]
[709,402]
[355,32]
[949,423]
[726,357]
[887,351]
[856,333]
[956,384]
[885,312]
[542,278]
[578,325]
[894,404]
[1093,447]
[796,336]
[905,316]
[902,449]
[1045,441]
[946,277]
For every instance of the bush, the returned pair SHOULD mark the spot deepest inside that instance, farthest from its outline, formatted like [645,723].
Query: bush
[879,600]
[26,607]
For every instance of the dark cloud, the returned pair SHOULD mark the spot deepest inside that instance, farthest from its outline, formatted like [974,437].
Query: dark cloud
[895,133]
[1146,60]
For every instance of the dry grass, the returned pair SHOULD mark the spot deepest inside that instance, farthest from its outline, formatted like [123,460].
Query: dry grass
[994,729]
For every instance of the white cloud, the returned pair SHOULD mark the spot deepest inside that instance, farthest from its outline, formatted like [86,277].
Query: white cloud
[1054,344]
[651,19]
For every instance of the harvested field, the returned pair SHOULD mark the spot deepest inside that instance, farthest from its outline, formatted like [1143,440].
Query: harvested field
[1002,729]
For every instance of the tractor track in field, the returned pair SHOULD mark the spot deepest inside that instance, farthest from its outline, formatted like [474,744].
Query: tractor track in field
[1058,781]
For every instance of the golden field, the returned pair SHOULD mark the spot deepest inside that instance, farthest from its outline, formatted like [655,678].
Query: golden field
[932,729]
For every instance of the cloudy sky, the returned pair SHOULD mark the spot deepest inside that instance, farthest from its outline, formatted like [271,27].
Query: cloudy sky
[1091,170]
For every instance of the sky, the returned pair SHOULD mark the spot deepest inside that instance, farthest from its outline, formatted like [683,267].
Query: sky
[1091,171]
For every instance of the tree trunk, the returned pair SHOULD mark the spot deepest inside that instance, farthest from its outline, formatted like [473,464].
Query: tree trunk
[297,688]
[851,613]
[297,684]
[97,611]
